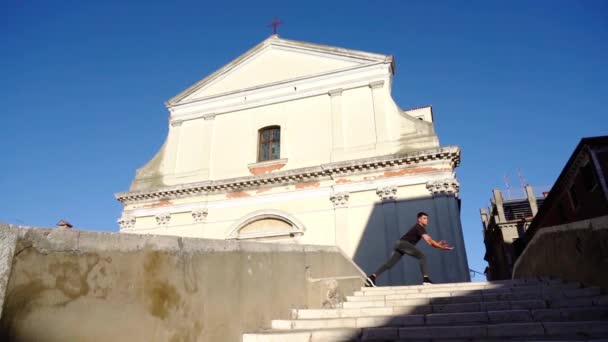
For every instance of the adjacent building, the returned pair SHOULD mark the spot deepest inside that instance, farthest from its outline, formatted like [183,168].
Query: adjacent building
[580,192]
[504,225]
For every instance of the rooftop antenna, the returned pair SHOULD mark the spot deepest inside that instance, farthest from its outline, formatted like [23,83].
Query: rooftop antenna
[522,179]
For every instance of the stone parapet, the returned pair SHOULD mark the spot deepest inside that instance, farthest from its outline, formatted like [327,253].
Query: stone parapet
[60,285]
[575,251]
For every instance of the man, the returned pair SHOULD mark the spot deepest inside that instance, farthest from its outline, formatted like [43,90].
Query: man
[407,245]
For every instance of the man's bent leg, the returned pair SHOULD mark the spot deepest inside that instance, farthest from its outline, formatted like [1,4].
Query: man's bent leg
[389,264]
[409,249]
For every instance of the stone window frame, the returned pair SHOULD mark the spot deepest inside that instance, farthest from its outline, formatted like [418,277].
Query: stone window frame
[233,232]
[269,142]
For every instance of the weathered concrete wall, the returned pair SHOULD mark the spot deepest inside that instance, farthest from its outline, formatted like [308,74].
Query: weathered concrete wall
[8,242]
[87,286]
[576,251]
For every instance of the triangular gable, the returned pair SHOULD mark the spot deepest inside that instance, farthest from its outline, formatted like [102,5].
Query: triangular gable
[276,60]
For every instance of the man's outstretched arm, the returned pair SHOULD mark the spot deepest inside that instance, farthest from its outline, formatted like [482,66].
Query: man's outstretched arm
[441,244]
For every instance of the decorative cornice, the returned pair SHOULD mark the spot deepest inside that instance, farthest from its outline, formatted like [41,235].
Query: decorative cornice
[449,186]
[340,199]
[199,215]
[176,123]
[376,84]
[162,219]
[448,153]
[335,92]
[126,222]
[388,193]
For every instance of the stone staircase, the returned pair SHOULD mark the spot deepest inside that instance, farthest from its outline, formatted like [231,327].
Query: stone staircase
[513,310]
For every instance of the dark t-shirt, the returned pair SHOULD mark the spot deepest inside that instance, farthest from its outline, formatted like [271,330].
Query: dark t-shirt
[414,234]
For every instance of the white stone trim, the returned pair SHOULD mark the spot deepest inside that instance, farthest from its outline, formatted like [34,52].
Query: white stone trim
[376,84]
[268,163]
[349,78]
[163,218]
[449,186]
[126,222]
[233,232]
[335,92]
[208,116]
[387,193]
[200,214]
[339,199]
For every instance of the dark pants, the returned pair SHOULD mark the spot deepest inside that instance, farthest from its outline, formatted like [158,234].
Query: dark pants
[404,247]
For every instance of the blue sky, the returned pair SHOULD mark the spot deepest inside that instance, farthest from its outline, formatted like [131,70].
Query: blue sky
[515,84]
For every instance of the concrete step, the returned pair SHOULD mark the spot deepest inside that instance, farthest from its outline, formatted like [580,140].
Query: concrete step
[329,335]
[552,301]
[417,309]
[489,317]
[486,284]
[377,291]
[497,332]
[503,294]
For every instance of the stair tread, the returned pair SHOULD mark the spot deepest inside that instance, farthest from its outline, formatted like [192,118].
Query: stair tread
[527,310]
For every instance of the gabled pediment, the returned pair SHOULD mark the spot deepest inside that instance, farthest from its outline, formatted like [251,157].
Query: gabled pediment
[277,60]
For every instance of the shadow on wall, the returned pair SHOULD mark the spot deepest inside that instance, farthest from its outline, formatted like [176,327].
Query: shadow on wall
[389,220]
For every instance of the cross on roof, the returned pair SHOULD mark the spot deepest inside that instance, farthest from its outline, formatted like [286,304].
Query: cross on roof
[275,22]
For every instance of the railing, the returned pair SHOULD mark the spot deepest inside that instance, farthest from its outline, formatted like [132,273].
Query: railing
[520,193]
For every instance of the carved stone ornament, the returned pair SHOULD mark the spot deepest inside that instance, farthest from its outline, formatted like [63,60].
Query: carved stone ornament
[448,186]
[199,215]
[163,218]
[126,222]
[340,199]
[388,193]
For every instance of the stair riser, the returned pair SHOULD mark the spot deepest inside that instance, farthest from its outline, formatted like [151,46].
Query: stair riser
[361,322]
[432,289]
[494,296]
[491,317]
[588,329]
[418,309]
[480,285]
[553,301]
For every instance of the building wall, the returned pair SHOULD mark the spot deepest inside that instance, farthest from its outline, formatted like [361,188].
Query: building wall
[504,227]
[581,199]
[343,140]
[581,190]
[330,108]
[364,226]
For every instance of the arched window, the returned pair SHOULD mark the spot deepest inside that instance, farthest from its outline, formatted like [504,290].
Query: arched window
[267,225]
[269,146]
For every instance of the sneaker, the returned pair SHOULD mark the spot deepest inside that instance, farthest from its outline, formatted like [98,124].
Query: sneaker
[370,281]
[427,281]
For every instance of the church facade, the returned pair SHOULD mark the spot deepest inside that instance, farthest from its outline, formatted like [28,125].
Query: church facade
[294,142]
